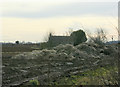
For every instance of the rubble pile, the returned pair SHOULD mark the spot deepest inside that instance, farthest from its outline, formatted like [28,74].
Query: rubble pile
[59,61]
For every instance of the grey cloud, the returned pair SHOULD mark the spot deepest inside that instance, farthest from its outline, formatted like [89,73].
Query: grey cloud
[71,9]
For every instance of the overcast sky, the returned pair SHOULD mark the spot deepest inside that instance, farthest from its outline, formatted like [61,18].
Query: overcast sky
[33,20]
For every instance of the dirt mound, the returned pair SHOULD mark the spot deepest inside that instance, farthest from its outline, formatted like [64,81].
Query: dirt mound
[69,52]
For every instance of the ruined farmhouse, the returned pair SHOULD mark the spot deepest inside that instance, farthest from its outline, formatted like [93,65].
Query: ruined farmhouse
[75,38]
[56,40]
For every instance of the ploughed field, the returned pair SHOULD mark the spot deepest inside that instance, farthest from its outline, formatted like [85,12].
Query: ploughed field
[53,66]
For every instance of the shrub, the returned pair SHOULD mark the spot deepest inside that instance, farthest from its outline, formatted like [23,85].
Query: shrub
[78,37]
[100,38]
[17,42]
[34,82]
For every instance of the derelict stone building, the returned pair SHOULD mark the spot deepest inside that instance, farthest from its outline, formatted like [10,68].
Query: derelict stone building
[75,38]
[56,40]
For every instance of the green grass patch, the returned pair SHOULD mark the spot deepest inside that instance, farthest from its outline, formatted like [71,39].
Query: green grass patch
[101,76]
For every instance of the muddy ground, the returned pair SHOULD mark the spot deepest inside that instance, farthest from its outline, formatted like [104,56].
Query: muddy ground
[50,65]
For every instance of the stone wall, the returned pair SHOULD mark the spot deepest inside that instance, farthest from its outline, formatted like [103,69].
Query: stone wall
[56,40]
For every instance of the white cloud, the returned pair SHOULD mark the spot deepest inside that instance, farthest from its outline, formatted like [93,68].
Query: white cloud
[25,7]
[51,9]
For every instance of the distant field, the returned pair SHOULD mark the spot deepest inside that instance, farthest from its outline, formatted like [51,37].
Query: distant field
[19,47]
[9,50]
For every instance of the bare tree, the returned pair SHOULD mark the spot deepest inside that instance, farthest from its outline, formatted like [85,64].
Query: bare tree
[68,33]
[116,27]
[100,37]
[46,38]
